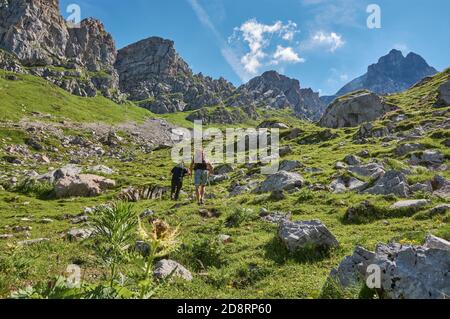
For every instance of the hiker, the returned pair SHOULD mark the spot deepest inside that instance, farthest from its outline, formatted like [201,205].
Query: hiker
[201,168]
[178,173]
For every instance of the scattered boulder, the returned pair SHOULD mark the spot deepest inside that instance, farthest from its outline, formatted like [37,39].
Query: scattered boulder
[354,109]
[226,239]
[209,213]
[405,149]
[6,236]
[79,234]
[422,187]
[216,179]
[407,272]
[352,160]
[273,124]
[372,170]
[438,210]
[427,158]
[136,194]
[305,234]
[274,217]
[165,268]
[285,150]
[31,242]
[83,185]
[413,204]
[281,181]
[433,242]
[289,165]
[223,169]
[101,169]
[443,99]
[393,182]
[344,183]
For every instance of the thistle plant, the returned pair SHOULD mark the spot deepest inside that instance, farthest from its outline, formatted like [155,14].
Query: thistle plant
[114,225]
[159,242]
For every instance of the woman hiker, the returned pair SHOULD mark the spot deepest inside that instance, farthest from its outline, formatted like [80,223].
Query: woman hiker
[201,168]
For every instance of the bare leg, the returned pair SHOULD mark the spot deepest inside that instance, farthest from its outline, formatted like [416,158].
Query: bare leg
[202,193]
[197,193]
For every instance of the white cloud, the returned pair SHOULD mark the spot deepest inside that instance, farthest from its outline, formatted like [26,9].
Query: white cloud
[328,41]
[259,37]
[287,55]
[343,77]
[228,54]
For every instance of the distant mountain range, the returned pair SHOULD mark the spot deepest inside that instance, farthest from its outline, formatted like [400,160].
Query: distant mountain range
[393,73]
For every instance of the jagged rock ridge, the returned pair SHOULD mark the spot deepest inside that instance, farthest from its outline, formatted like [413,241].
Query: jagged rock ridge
[152,73]
[274,90]
[36,33]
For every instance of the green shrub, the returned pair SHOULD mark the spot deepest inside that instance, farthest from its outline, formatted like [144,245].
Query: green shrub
[30,186]
[238,216]
[208,252]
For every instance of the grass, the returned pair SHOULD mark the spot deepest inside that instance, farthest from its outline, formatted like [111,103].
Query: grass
[255,264]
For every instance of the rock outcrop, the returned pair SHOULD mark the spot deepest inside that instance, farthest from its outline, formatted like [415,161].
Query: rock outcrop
[306,234]
[273,90]
[355,109]
[406,272]
[152,73]
[79,59]
[281,181]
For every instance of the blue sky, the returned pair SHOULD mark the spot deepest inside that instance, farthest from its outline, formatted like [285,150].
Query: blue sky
[323,43]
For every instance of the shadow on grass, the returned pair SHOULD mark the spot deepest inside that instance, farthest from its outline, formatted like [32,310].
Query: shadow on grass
[275,250]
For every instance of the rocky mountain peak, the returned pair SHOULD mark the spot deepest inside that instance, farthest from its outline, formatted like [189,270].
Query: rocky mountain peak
[153,74]
[392,73]
[275,90]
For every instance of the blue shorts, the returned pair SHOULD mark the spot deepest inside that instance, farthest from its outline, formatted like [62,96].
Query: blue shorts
[201,177]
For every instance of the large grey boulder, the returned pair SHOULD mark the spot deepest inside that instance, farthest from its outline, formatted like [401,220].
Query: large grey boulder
[428,158]
[281,181]
[355,109]
[393,182]
[443,95]
[344,184]
[406,272]
[83,185]
[372,170]
[306,234]
[165,268]
[407,148]
[412,204]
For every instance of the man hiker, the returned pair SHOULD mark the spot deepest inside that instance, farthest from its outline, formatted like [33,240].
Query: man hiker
[201,168]
[178,173]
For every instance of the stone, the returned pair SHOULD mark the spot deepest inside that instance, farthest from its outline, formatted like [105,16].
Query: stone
[433,242]
[223,169]
[80,234]
[372,170]
[6,236]
[407,272]
[226,239]
[165,268]
[443,99]
[344,184]
[393,182]
[209,213]
[428,158]
[305,234]
[46,221]
[277,196]
[413,204]
[352,160]
[147,213]
[101,169]
[439,210]
[83,185]
[340,165]
[405,149]
[33,241]
[422,187]
[275,217]
[354,110]
[273,124]
[80,219]
[288,166]
[285,150]
[281,181]
[216,179]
